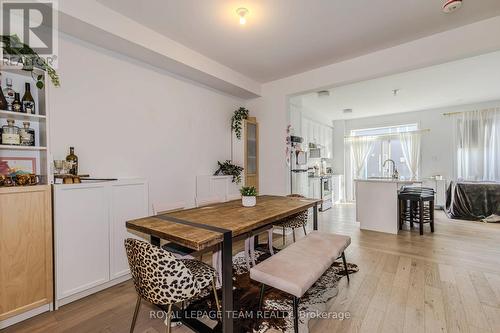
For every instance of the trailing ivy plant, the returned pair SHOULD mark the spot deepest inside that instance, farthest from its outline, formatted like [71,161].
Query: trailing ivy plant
[13,48]
[237,119]
[227,168]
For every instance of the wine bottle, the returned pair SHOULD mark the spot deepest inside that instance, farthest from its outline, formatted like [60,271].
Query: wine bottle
[73,158]
[16,104]
[28,101]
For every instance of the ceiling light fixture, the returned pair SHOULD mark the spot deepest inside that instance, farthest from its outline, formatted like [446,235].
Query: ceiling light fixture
[242,12]
[451,6]
[347,111]
[395,92]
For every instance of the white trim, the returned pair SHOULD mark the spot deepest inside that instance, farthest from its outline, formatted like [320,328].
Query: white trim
[91,291]
[24,316]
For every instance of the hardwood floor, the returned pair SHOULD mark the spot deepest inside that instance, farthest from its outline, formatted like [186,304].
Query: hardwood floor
[448,281]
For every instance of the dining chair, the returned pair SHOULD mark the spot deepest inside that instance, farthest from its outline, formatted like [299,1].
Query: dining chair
[177,250]
[164,280]
[293,222]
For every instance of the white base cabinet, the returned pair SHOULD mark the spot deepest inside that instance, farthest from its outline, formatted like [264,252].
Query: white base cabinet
[439,186]
[89,226]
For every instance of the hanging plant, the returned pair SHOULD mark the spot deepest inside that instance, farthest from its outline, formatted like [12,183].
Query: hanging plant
[13,48]
[229,169]
[237,119]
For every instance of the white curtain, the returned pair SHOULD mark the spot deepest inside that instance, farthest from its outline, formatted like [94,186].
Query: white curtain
[360,148]
[477,145]
[410,144]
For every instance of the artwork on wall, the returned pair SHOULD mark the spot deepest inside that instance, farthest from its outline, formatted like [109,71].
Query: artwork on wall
[10,166]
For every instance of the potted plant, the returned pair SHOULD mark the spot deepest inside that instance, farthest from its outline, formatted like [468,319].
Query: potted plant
[17,52]
[227,168]
[237,120]
[248,196]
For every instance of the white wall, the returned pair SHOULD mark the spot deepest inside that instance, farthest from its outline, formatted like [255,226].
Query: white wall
[437,145]
[272,108]
[127,119]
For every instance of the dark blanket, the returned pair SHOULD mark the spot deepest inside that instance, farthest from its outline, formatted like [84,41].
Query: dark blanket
[472,200]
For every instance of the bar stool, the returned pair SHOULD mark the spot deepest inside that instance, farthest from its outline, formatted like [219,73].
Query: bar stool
[416,205]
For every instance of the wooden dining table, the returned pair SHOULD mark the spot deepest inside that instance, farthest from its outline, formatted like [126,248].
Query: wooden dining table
[220,224]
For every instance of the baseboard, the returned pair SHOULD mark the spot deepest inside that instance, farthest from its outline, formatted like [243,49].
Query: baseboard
[88,292]
[25,315]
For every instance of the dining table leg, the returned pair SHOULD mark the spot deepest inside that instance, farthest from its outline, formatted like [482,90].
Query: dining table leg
[315,217]
[227,283]
[154,240]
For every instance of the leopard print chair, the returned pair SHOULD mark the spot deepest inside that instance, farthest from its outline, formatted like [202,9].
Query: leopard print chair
[163,280]
[292,222]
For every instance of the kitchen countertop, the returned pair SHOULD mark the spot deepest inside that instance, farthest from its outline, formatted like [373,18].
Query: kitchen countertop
[388,180]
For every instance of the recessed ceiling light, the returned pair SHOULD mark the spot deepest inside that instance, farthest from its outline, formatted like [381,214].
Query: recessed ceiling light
[242,13]
[347,111]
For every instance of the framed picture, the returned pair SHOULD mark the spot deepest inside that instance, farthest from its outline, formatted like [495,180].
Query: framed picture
[17,165]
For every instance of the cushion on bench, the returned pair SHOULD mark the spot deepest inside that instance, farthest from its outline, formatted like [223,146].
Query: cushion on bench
[295,268]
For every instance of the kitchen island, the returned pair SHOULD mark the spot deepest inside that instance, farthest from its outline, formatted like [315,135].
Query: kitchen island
[377,203]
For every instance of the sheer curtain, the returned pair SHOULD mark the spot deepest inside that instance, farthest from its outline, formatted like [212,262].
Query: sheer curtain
[360,148]
[477,145]
[410,144]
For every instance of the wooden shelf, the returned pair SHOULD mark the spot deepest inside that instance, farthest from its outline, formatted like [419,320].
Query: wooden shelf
[21,116]
[8,147]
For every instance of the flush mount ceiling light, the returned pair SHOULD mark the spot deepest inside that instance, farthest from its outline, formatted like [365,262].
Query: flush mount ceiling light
[242,13]
[451,6]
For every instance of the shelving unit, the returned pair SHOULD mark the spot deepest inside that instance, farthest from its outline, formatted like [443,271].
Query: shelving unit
[251,152]
[39,122]
[21,116]
[8,147]
[26,261]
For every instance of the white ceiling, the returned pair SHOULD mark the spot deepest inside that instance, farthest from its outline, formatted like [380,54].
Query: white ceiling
[285,37]
[466,81]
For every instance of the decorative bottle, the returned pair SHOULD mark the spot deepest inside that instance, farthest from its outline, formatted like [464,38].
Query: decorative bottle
[27,135]
[3,102]
[28,101]
[73,158]
[9,93]
[16,104]
[10,134]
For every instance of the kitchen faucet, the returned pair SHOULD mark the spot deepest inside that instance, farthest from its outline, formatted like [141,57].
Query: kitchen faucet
[395,173]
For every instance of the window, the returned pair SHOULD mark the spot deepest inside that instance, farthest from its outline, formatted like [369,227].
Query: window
[387,146]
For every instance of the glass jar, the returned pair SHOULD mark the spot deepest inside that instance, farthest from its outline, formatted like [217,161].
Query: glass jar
[27,135]
[10,134]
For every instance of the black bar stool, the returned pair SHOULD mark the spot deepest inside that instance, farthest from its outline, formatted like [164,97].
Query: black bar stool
[416,205]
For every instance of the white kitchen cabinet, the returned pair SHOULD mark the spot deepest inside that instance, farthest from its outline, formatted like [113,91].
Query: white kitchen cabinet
[129,201]
[314,187]
[211,189]
[439,186]
[89,226]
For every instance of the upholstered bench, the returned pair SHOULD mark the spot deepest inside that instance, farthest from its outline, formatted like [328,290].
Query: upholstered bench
[297,267]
